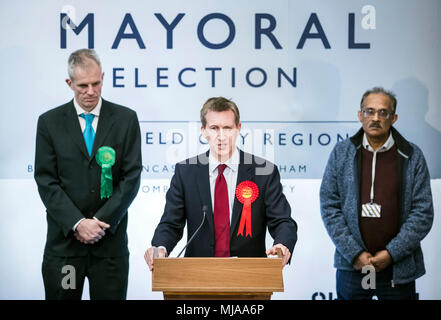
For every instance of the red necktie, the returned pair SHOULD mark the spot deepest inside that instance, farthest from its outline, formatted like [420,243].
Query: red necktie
[221,215]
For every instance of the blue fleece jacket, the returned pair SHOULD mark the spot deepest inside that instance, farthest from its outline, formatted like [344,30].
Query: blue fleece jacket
[339,204]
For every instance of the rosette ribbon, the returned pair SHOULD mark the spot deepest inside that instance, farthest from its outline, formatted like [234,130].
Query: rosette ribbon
[246,192]
[105,158]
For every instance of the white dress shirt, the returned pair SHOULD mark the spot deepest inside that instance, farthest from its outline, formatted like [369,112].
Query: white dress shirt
[386,146]
[96,112]
[230,174]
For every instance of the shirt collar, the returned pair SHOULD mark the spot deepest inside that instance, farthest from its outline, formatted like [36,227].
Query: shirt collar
[232,163]
[96,111]
[385,147]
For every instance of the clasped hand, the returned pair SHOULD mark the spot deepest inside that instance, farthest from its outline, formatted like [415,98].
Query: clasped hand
[90,231]
[380,261]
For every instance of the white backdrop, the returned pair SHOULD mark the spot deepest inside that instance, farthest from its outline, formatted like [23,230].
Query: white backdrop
[296,101]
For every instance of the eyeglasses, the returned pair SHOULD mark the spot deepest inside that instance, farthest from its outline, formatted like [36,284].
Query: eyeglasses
[382,113]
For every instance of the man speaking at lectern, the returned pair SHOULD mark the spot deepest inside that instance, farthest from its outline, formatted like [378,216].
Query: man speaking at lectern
[227,197]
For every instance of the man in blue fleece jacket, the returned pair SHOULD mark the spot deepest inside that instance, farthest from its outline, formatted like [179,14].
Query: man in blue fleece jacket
[376,204]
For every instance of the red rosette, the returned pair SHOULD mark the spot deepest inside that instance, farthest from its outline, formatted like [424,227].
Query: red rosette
[246,192]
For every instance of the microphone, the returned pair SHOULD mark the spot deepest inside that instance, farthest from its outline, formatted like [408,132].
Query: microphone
[204,212]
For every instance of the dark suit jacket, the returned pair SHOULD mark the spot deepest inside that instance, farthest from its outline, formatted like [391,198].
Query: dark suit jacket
[69,180]
[190,191]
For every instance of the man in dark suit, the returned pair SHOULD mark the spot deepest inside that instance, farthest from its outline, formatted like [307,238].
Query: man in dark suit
[87,182]
[235,196]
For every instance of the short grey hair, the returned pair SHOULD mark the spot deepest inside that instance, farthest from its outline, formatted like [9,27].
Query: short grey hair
[78,58]
[389,94]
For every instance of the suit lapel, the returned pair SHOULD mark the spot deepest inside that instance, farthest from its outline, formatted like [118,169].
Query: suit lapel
[203,183]
[245,172]
[105,123]
[74,129]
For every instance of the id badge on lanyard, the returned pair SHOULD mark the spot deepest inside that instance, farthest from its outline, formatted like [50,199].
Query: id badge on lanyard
[372,209]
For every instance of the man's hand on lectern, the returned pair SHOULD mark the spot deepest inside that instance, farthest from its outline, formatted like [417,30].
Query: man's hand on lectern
[285,252]
[149,255]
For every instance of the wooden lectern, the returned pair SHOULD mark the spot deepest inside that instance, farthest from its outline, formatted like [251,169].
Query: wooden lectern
[217,278]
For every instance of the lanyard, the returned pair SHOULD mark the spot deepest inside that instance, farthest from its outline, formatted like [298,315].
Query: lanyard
[374,162]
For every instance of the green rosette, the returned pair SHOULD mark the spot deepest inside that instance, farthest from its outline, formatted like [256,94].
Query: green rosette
[105,158]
